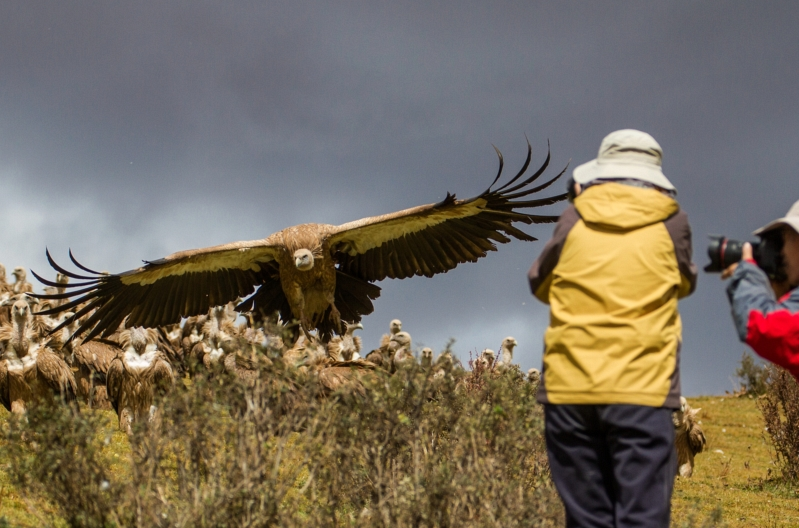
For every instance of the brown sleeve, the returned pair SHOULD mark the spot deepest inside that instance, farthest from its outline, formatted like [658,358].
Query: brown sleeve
[541,271]
[680,232]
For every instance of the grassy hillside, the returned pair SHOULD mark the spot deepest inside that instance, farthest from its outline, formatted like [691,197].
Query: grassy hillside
[735,473]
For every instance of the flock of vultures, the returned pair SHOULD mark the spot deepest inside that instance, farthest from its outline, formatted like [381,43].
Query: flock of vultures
[127,369]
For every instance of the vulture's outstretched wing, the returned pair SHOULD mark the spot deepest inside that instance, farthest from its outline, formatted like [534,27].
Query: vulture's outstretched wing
[161,292]
[435,238]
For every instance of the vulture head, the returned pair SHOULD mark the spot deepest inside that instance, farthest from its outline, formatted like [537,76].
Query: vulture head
[445,360]
[508,344]
[395,326]
[351,328]
[486,359]
[20,312]
[685,418]
[400,340]
[219,312]
[427,357]
[60,278]
[303,259]
[20,274]
[138,338]
[533,375]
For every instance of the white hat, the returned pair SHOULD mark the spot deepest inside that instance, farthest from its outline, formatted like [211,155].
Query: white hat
[790,219]
[626,153]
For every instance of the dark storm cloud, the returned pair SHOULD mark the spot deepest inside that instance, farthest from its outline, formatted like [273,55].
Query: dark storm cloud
[132,130]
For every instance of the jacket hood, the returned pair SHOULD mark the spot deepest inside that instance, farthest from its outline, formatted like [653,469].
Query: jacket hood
[619,206]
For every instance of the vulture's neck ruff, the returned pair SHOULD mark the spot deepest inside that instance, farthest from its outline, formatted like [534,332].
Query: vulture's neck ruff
[140,359]
[140,348]
[22,362]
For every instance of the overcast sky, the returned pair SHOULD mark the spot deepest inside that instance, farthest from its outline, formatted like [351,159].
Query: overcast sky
[130,130]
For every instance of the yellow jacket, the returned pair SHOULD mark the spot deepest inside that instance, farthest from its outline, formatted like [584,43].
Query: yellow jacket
[612,273]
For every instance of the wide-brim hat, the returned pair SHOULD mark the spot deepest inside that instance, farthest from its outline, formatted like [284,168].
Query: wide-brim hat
[626,153]
[790,219]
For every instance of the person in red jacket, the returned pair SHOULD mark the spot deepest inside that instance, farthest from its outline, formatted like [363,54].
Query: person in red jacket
[768,324]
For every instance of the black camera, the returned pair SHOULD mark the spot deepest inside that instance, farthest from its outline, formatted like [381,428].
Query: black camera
[767,253]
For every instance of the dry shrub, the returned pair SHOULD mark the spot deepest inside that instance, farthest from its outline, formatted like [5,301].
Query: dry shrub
[462,450]
[780,409]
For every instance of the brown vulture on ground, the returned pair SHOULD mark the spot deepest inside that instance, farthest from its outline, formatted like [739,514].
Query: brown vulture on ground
[29,371]
[319,274]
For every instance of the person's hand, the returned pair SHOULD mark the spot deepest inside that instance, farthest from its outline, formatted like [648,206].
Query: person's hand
[746,254]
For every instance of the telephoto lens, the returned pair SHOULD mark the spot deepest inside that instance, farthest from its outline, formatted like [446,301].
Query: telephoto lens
[723,252]
[767,253]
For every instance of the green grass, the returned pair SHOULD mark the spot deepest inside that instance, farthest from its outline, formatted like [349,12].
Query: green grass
[735,473]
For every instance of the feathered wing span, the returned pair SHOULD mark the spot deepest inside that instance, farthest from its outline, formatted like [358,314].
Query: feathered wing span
[163,376]
[95,355]
[435,238]
[114,382]
[161,292]
[423,240]
[696,437]
[54,372]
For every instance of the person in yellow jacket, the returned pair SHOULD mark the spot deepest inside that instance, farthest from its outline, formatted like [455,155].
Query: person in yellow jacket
[618,261]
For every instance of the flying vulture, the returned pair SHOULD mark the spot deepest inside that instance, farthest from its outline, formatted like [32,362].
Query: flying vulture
[318,274]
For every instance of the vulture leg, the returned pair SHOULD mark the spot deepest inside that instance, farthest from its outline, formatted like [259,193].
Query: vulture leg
[306,325]
[336,316]
[18,407]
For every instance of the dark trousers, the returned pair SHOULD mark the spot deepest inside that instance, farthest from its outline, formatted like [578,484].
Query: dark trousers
[613,465]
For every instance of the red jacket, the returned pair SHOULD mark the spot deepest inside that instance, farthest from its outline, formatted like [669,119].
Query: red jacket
[768,325]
